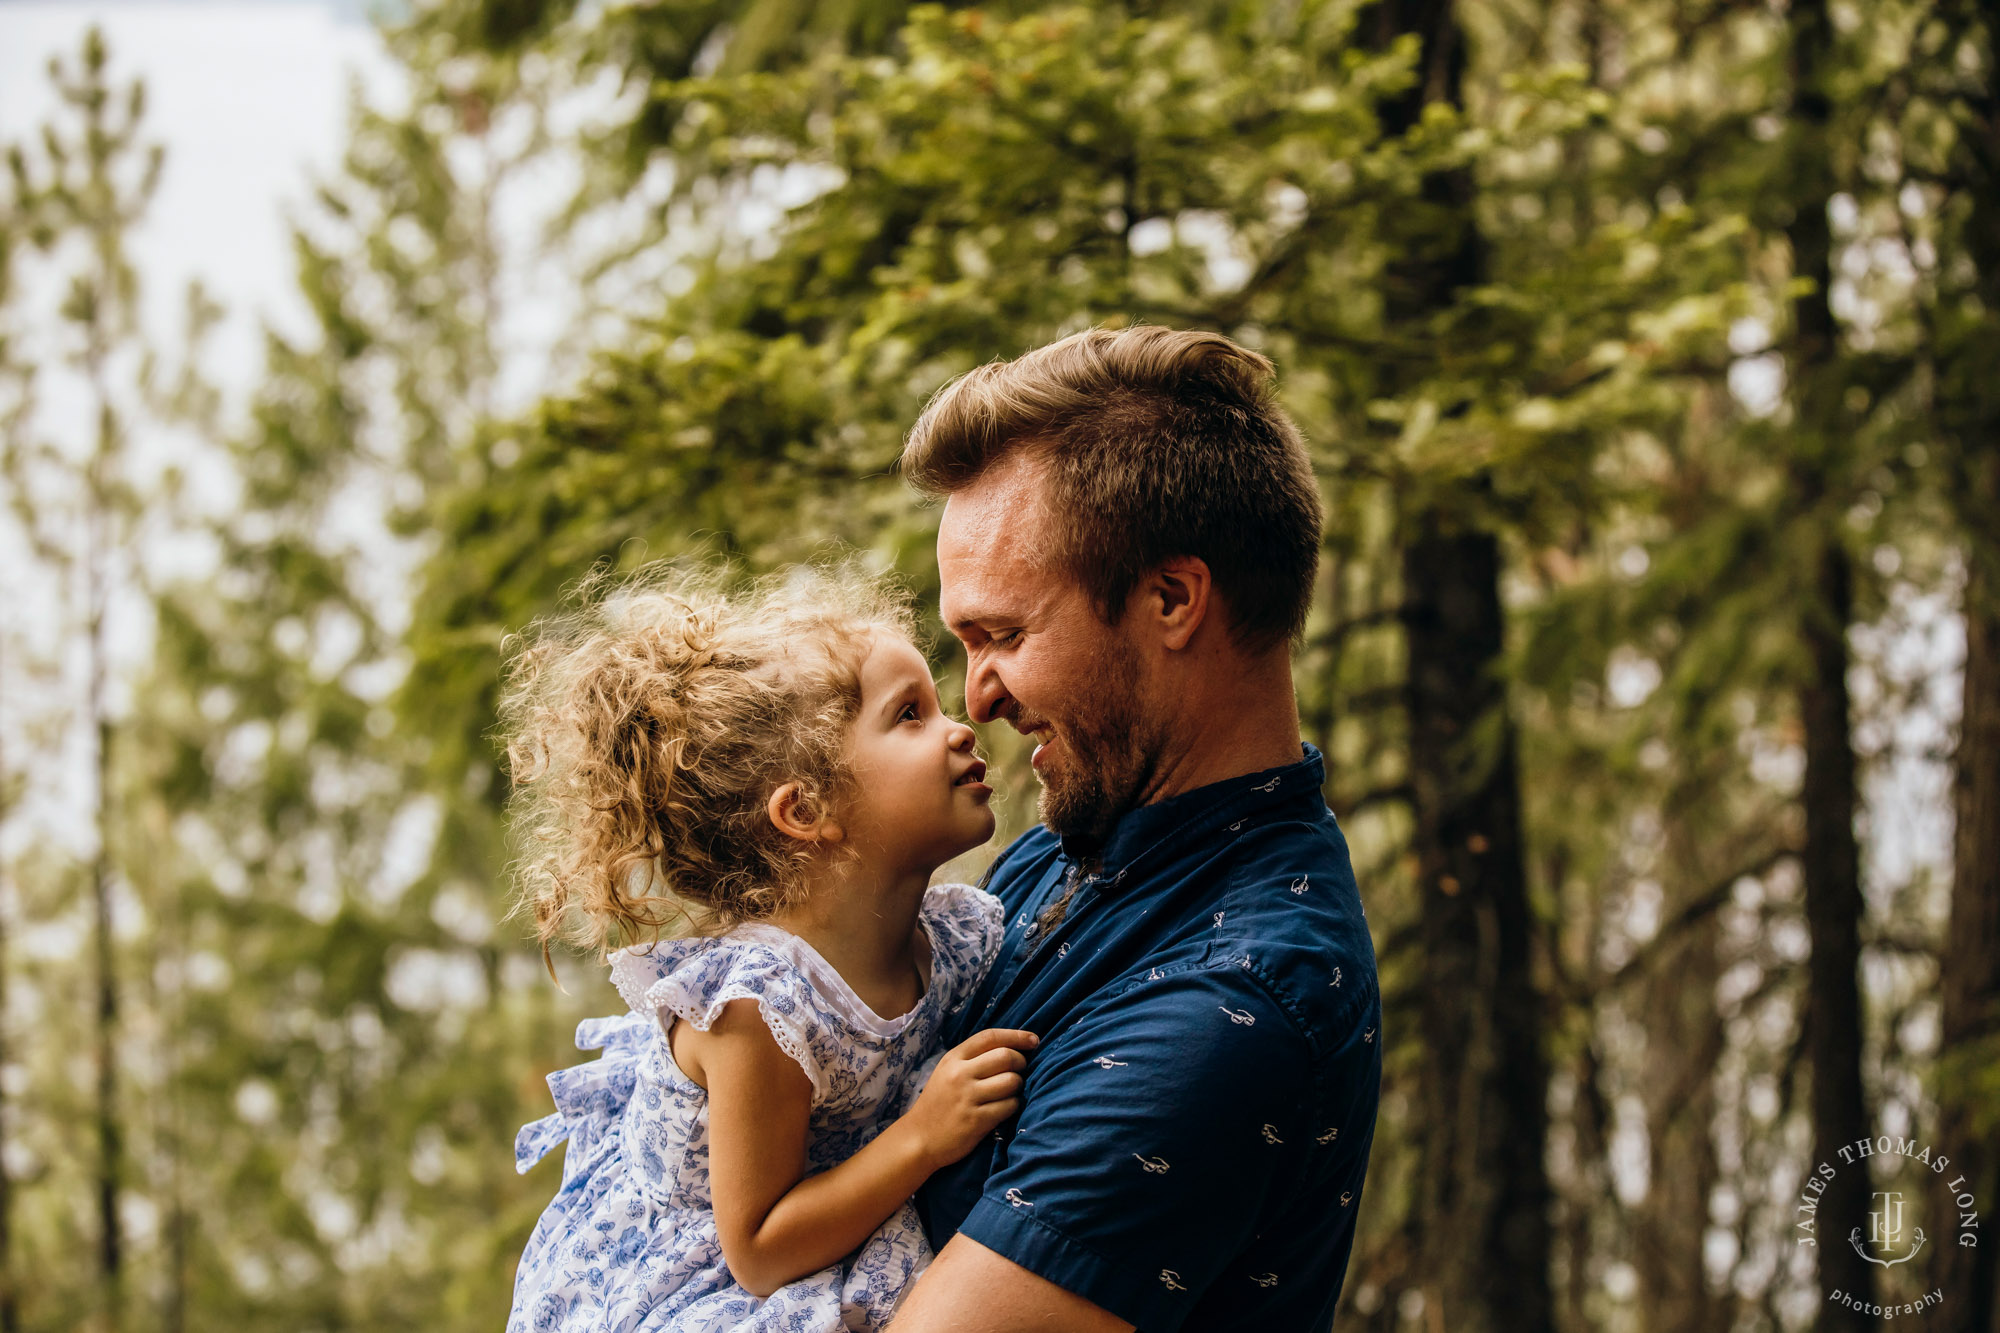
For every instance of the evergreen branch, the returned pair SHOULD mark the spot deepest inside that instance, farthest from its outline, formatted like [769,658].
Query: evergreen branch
[1401,792]
[1692,914]
[1334,635]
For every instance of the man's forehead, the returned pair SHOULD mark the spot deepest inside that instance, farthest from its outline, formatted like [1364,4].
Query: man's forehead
[985,567]
[999,504]
[1001,516]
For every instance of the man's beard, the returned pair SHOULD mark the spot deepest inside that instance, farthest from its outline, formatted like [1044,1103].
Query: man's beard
[1106,755]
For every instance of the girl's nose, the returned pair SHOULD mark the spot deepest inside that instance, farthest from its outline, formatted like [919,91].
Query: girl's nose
[963,737]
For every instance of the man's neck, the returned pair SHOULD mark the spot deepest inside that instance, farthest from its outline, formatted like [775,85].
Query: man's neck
[862,919]
[1227,724]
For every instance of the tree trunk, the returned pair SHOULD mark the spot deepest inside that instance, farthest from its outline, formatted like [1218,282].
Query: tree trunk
[1970,970]
[1589,1118]
[1482,1217]
[110,1145]
[1831,859]
[1484,1115]
[1832,865]
[1684,1043]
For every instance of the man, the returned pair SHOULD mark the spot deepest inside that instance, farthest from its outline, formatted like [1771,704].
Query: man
[1128,548]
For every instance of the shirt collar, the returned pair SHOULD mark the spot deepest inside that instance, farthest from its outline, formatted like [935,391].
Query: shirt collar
[1197,811]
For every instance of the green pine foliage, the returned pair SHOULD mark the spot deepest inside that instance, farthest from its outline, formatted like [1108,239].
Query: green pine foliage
[787,226]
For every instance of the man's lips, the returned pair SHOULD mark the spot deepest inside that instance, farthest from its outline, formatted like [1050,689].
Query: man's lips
[1037,732]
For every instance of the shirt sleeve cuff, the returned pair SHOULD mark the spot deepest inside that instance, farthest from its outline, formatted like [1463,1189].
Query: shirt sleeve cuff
[1154,1302]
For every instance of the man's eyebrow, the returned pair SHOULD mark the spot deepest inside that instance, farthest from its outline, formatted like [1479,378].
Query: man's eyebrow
[977,618]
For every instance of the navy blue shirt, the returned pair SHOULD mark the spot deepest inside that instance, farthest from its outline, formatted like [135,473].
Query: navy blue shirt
[1197,1119]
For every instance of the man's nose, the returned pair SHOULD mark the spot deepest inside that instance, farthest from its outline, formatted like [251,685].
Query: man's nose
[984,693]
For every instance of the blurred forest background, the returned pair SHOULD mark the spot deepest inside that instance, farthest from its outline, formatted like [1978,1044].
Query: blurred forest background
[1657,652]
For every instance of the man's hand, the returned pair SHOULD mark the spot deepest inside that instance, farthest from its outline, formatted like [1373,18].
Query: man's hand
[970,1289]
[975,1088]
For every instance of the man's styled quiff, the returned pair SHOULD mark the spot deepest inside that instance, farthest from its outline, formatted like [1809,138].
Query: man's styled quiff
[1158,443]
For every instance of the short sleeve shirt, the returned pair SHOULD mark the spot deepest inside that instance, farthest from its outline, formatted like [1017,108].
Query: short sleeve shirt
[1197,1119]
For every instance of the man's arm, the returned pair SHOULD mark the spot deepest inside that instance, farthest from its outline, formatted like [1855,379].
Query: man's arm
[1157,1130]
[970,1289]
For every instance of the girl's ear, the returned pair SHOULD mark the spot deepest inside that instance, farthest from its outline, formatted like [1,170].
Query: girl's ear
[793,816]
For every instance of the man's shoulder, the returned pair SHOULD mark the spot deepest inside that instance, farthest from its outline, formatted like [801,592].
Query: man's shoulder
[1189,1002]
[1297,872]
[1310,841]
[1294,918]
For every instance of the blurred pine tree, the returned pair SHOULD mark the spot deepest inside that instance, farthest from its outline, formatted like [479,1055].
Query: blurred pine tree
[81,194]
[1959,104]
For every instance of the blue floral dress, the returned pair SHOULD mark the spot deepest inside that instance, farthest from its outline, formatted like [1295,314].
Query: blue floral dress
[629,1243]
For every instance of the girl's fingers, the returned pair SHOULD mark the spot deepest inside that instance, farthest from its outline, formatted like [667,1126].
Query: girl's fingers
[991,1039]
[1005,1060]
[996,1088]
[1001,1112]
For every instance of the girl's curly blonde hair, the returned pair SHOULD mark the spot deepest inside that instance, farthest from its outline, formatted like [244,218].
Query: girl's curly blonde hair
[647,729]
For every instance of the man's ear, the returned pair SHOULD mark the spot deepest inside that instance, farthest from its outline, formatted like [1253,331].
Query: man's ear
[792,815]
[1176,598]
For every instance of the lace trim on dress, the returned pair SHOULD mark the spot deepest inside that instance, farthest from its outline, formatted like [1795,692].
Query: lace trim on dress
[832,987]
[639,971]
[958,924]
[667,998]
[633,972]
[651,984]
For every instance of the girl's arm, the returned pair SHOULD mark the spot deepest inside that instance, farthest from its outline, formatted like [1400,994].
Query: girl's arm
[775,1226]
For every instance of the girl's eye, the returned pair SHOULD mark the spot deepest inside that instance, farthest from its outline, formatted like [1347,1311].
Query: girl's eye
[910,713]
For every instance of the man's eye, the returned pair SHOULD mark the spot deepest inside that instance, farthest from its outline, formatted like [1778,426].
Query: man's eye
[1006,638]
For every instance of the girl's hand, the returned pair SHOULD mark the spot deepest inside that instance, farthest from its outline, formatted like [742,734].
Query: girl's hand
[975,1087]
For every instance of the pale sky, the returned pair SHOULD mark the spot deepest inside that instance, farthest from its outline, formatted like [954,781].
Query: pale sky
[249,99]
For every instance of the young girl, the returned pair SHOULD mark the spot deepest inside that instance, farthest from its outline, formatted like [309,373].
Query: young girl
[750,793]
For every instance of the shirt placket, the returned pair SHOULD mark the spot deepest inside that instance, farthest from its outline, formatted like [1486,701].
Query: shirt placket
[1035,940]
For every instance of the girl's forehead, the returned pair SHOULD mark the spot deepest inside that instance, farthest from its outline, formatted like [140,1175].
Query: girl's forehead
[892,662]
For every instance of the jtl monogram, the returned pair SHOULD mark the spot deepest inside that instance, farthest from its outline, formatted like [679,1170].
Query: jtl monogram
[1885,1231]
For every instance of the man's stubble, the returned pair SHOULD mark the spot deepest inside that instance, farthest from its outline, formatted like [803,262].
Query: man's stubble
[1110,752]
